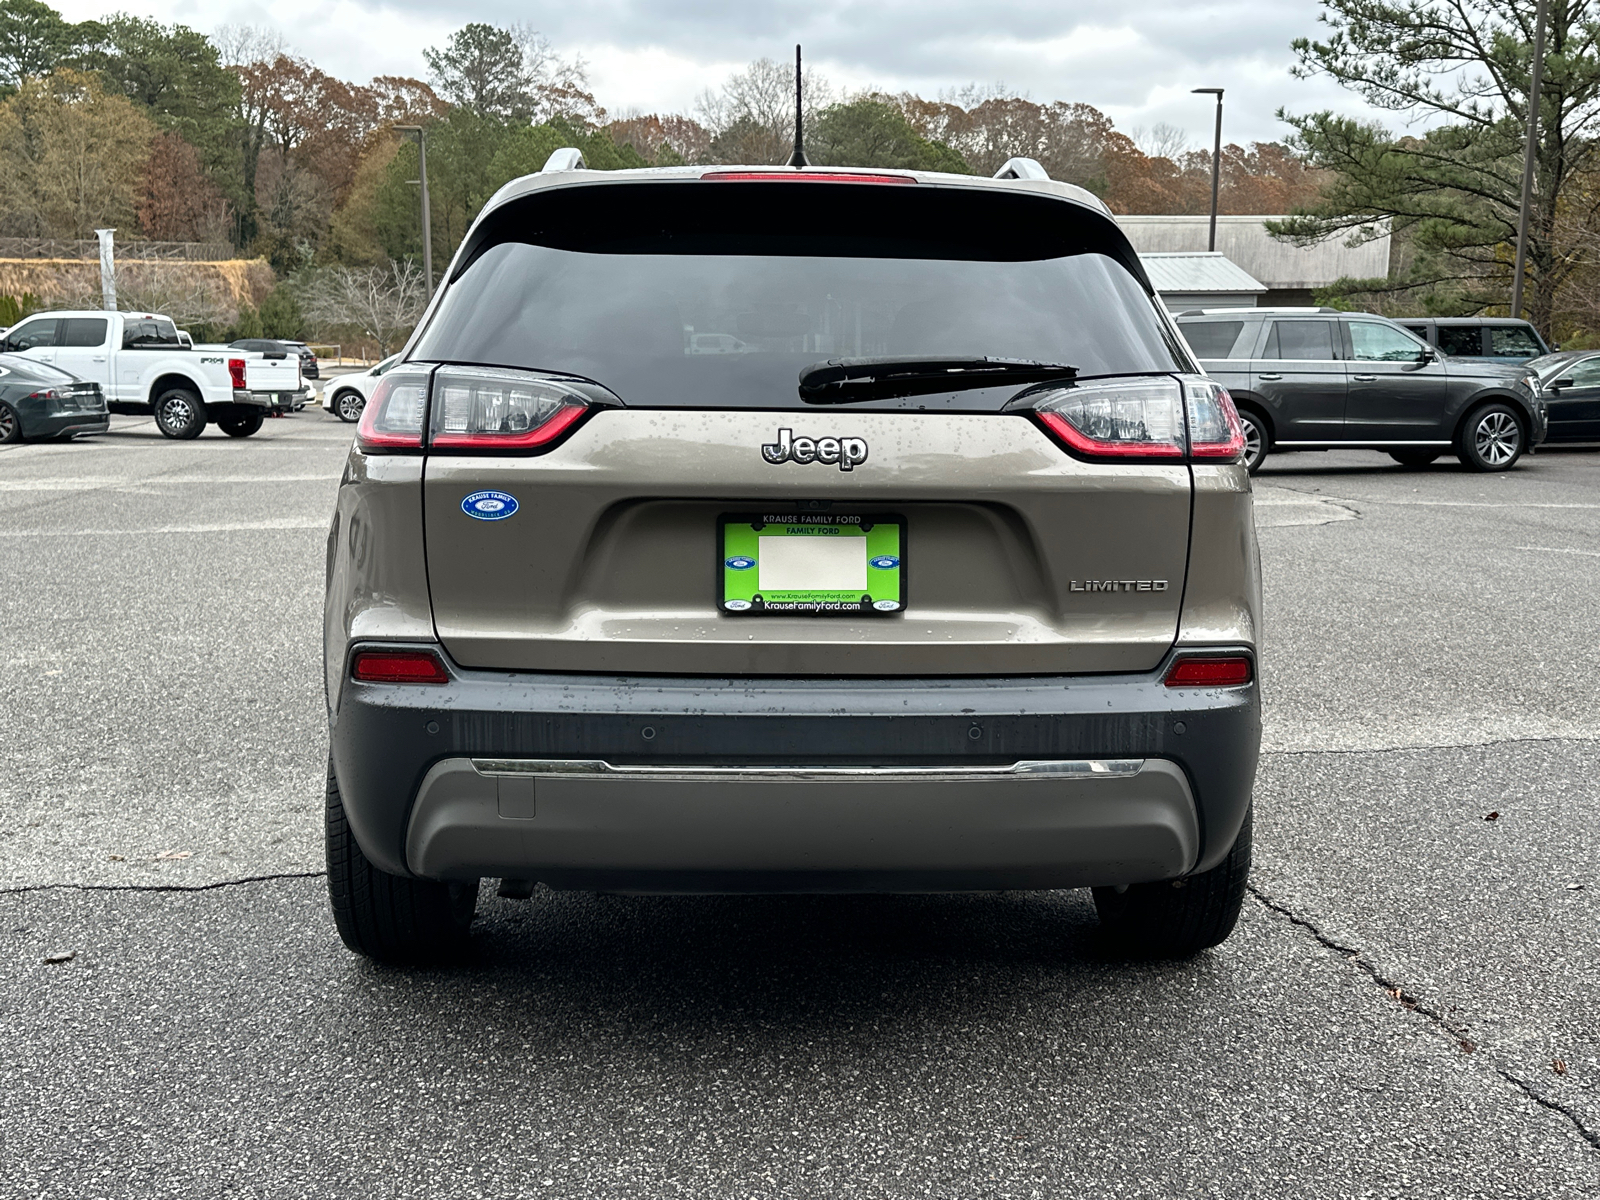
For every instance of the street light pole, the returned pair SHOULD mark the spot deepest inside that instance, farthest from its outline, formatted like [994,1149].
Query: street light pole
[1527,161]
[1216,162]
[427,216]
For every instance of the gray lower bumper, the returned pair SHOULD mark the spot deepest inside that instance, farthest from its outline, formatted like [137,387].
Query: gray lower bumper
[1045,824]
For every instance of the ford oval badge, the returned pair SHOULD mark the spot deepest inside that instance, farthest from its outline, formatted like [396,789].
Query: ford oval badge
[740,562]
[489,506]
[884,562]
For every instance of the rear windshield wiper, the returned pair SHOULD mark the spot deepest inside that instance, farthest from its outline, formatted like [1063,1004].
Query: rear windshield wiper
[842,380]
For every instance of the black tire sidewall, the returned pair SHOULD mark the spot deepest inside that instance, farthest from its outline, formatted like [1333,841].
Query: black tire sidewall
[14,434]
[339,402]
[1467,443]
[197,422]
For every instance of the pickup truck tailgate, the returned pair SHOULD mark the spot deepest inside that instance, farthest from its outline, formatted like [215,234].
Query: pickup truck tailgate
[264,374]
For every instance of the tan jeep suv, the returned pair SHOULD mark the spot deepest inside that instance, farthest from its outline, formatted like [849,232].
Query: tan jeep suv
[775,529]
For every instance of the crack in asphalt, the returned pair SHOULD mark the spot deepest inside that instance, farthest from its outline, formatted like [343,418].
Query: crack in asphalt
[1412,1004]
[1412,747]
[158,887]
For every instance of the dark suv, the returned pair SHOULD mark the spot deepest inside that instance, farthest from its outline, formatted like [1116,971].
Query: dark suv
[1320,379]
[936,572]
[1498,339]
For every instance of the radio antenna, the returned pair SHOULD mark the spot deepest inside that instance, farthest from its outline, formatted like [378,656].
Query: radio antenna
[798,158]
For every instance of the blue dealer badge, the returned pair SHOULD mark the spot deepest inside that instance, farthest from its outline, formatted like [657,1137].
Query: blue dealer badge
[884,562]
[489,506]
[740,562]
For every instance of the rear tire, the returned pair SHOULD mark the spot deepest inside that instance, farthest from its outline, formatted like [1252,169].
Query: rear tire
[179,414]
[1257,439]
[389,917]
[1177,918]
[347,405]
[10,424]
[1415,458]
[241,424]
[1491,439]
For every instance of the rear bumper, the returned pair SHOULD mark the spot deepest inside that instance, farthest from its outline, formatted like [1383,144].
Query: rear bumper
[796,785]
[65,424]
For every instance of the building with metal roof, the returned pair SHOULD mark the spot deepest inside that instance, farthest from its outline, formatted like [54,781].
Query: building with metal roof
[1288,273]
[1201,279]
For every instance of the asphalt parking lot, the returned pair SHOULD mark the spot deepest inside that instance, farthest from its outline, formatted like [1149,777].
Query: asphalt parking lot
[1410,1006]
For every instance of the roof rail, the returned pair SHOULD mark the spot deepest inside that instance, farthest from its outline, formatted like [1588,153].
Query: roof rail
[1022,168]
[568,158]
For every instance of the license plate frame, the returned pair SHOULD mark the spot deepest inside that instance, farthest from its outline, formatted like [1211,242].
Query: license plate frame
[738,564]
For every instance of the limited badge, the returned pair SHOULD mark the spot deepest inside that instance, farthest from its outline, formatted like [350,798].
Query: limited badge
[489,506]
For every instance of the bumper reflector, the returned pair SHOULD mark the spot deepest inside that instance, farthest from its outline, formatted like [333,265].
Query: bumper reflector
[1222,670]
[398,666]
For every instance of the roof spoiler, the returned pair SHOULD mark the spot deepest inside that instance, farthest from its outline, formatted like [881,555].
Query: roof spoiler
[568,158]
[1017,168]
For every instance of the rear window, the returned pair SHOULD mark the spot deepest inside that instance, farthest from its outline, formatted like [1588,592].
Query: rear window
[148,333]
[1212,339]
[1300,340]
[1465,341]
[83,331]
[1513,341]
[718,294]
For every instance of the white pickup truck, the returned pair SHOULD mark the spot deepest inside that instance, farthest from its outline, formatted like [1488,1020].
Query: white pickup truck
[141,363]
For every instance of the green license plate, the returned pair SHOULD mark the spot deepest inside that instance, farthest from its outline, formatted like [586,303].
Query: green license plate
[813,563]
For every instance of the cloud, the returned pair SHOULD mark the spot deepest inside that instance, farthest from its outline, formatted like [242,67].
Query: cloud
[1137,63]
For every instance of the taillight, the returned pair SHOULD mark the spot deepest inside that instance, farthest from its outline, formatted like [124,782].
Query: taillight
[802,177]
[236,373]
[398,666]
[497,409]
[1117,418]
[1215,431]
[1211,670]
[392,420]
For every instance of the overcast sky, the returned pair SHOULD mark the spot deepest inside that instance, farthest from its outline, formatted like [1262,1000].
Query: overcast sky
[1134,61]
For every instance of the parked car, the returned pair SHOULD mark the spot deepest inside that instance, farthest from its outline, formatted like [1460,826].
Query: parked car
[275,346]
[142,366]
[1320,379]
[346,395]
[1496,338]
[1571,382]
[971,605]
[37,401]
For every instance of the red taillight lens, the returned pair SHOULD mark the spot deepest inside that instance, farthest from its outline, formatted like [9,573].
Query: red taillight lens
[1117,419]
[1221,670]
[496,409]
[1215,432]
[236,373]
[392,420]
[398,666]
[803,177]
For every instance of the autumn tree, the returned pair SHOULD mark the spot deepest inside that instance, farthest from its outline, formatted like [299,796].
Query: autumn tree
[71,157]
[662,140]
[378,302]
[177,201]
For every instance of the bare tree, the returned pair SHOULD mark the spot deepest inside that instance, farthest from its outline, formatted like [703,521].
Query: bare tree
[751,118]
[382,302]
[1161,141]
[241,45]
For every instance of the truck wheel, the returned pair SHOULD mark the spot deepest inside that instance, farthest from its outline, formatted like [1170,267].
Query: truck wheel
[347,405]
[10,424]
[241,424]
[1491,439]
[388,917]
[1178,917]
[179,414]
